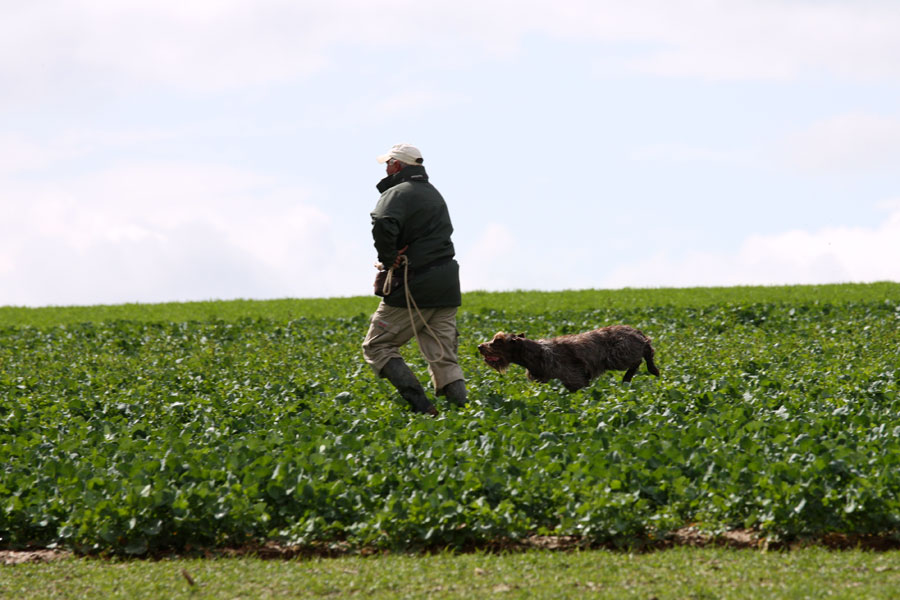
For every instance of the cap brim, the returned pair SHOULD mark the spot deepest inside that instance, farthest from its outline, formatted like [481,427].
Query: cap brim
[384,158]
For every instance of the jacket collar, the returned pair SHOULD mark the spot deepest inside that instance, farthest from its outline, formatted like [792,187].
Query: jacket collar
[409,173]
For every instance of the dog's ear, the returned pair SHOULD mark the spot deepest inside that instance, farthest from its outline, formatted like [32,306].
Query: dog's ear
[520,335]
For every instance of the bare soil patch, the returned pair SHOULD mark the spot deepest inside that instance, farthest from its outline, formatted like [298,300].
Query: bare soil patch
[686,536]
[17,557]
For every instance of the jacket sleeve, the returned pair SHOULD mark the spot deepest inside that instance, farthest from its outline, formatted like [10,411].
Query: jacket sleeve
[385,232]
[389,223]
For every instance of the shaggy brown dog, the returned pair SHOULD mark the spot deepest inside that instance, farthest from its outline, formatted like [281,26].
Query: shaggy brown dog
[573,359]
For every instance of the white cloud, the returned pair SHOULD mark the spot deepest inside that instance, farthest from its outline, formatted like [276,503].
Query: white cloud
[407,102]
[157,232]
[195,45]
[487,264]
[829,255]
[850,142]
[20,153]
[109,46]
[750,39]
[502,259]
[229,44]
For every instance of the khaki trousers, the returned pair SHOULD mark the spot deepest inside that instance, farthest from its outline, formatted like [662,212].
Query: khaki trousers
[390,328]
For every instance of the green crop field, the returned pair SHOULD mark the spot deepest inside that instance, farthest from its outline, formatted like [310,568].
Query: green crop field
[140,429]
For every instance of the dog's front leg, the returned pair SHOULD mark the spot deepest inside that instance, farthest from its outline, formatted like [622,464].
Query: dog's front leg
[532,377]
[575,378]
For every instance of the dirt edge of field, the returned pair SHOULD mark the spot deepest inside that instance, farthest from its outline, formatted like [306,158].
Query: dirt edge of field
[688,536]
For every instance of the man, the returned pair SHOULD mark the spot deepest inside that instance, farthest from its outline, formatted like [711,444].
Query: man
[411,223]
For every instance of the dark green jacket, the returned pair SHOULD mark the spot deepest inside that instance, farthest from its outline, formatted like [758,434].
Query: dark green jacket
[412,212]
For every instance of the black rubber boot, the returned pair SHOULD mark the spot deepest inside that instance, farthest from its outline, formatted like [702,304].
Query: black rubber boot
[456,392]
[401,376]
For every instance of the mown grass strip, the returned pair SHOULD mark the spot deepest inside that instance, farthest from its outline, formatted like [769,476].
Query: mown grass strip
[678,573]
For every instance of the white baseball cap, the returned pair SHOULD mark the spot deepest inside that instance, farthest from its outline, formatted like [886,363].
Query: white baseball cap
[405,153]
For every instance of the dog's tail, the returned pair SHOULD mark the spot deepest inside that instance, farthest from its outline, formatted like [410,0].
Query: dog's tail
[648,356]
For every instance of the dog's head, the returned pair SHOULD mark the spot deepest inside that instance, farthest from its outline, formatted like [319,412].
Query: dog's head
[496,352]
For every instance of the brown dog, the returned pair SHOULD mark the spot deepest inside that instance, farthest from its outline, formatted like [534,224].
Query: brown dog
[575,359]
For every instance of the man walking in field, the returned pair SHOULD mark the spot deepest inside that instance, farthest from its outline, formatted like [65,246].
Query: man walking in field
[411,225]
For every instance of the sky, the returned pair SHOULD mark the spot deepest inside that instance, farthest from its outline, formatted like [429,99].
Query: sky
[156,151]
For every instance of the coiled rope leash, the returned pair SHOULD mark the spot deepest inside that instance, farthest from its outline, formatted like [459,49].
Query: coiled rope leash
[410,303]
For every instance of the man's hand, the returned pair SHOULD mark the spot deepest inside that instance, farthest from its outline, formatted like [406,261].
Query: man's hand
[397,261]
